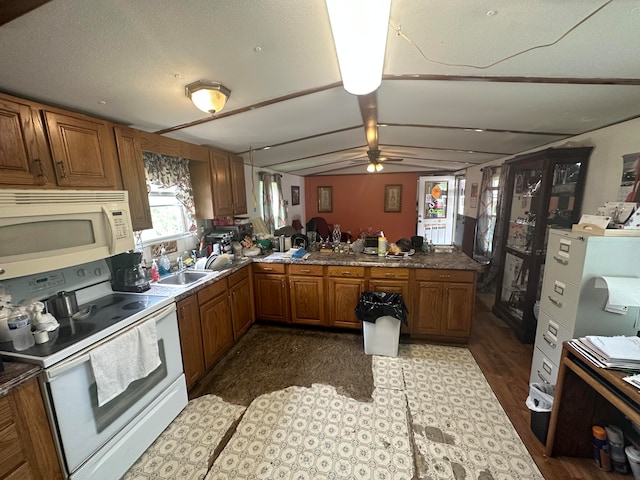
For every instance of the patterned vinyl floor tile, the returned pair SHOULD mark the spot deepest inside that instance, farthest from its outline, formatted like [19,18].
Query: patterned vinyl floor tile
[314,433]
[459,428]
[184,449]
[387,372]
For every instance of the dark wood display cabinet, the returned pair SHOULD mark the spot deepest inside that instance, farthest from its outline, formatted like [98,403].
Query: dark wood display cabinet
[544,190]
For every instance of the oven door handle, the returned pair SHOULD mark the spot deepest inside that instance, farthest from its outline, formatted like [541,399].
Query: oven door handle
[84,356]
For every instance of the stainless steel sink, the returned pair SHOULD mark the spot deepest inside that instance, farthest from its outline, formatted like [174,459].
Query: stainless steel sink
[183,278]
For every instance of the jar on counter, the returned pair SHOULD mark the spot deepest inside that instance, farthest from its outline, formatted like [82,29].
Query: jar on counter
[20,331]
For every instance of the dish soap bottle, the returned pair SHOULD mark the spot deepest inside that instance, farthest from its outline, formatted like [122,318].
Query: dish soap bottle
[165,264]
[382,245]
[155,274]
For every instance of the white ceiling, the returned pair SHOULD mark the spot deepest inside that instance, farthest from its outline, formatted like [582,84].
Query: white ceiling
[278,59]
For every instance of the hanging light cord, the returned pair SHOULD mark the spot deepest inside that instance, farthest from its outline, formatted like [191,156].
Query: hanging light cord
[399,33]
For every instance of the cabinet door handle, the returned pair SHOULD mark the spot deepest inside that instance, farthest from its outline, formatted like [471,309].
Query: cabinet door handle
[63,172]
[561,261]
[551,343]
[444,276]
[267,269]
[305,270]
[388,274]
[542,377]
[555,302]
[348,274]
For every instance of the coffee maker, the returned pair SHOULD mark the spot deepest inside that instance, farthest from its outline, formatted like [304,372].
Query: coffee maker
[127,274]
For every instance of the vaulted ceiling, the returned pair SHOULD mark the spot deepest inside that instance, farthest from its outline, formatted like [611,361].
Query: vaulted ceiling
[465,82]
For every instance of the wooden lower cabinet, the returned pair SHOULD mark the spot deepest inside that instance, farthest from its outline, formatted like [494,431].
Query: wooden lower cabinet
[215,319]
[26,441]
[191,339]
[443,304]
[241,298]
[306,290]
[392,280]
[345,285]
[270,287]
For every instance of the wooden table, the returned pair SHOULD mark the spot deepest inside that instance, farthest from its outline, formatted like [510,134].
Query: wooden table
[585,396]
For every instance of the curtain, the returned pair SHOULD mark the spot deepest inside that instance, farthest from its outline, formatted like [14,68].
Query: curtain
[166,171]
[485,222]
[273,211]
[488,282]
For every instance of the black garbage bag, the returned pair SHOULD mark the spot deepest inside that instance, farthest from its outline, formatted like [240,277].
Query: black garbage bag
[373,305]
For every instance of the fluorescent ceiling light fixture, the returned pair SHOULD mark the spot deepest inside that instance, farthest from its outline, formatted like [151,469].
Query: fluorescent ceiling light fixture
[210,97]
[360,35]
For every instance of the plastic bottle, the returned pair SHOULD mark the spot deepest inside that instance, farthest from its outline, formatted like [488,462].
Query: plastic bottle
[382,245]
[165,263]
[616,449]
[601,448]
[155,274]
[20,331]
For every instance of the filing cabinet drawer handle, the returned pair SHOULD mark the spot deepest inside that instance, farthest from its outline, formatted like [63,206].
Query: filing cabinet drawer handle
[551,343]
[555,302]
[561,261]
[542,377]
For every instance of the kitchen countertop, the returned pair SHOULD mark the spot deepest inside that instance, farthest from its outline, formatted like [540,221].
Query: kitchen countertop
[441,261]
[16,373]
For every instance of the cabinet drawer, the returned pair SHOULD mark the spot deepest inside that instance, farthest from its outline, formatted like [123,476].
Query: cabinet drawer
[543,370]
[383,272]
[560,300]
[315,270]
[238,276]
[565,258]
[350,272]
[268,267]
[549,337]
[212,291]
[446,275]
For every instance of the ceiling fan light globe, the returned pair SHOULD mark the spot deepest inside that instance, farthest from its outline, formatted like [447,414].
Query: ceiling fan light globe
[360,30]
[371,168]
[379,167]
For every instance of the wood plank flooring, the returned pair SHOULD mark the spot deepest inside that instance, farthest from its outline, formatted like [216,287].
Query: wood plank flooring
[506,364]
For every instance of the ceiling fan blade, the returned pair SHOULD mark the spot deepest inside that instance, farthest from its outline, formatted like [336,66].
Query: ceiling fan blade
[390,159]
[369,111]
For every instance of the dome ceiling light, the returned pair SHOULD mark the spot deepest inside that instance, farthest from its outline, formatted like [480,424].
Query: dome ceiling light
[210,97]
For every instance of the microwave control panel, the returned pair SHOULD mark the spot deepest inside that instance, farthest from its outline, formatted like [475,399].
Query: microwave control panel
[121,224]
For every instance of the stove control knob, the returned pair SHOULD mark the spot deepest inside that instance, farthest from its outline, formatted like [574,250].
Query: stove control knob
[97,272]
[81,272]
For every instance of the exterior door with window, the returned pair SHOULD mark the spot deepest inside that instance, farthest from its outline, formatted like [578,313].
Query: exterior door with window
[436,209]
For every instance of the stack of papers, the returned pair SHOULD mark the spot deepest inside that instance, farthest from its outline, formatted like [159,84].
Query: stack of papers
[619,352]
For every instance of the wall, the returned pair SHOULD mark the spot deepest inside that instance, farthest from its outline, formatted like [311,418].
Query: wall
[252,183]
[605,163]
[358,203]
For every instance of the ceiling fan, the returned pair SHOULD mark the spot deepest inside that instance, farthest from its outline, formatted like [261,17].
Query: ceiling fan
[369,111]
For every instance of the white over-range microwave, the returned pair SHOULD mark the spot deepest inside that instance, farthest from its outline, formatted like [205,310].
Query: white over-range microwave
[42,230]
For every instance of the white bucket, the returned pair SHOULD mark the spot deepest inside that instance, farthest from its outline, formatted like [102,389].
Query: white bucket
[382,337]
[633,455]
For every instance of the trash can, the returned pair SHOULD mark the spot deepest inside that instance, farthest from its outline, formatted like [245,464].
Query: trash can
[381,313]
[540,402]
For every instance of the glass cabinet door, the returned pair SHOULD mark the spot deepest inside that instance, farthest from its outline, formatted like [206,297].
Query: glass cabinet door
[524,209]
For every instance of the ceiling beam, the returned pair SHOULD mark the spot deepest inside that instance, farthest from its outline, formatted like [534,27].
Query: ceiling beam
[12,9]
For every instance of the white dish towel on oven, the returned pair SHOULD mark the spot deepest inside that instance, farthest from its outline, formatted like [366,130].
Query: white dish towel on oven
[130,356]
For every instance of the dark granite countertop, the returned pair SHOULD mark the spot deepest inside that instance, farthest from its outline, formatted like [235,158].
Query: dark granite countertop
[442,261]
[16,373]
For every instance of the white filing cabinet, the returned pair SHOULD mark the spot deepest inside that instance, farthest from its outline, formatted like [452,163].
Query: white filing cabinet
[570,305]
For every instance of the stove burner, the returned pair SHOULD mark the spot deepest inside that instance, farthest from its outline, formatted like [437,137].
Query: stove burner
[134,306]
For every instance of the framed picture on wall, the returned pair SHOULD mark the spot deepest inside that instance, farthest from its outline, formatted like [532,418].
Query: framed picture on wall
[295,195]
[325,200]
[474,195]
[393,198]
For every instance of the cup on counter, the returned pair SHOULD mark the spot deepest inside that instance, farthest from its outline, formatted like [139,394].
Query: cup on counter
[20,331]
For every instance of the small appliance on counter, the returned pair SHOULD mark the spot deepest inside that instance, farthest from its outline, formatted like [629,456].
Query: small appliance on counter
[127,274]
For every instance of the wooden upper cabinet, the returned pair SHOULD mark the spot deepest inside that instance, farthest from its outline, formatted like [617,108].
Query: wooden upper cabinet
[238,188]
[133,176]
[83,150]
[221,184]
[24,153]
